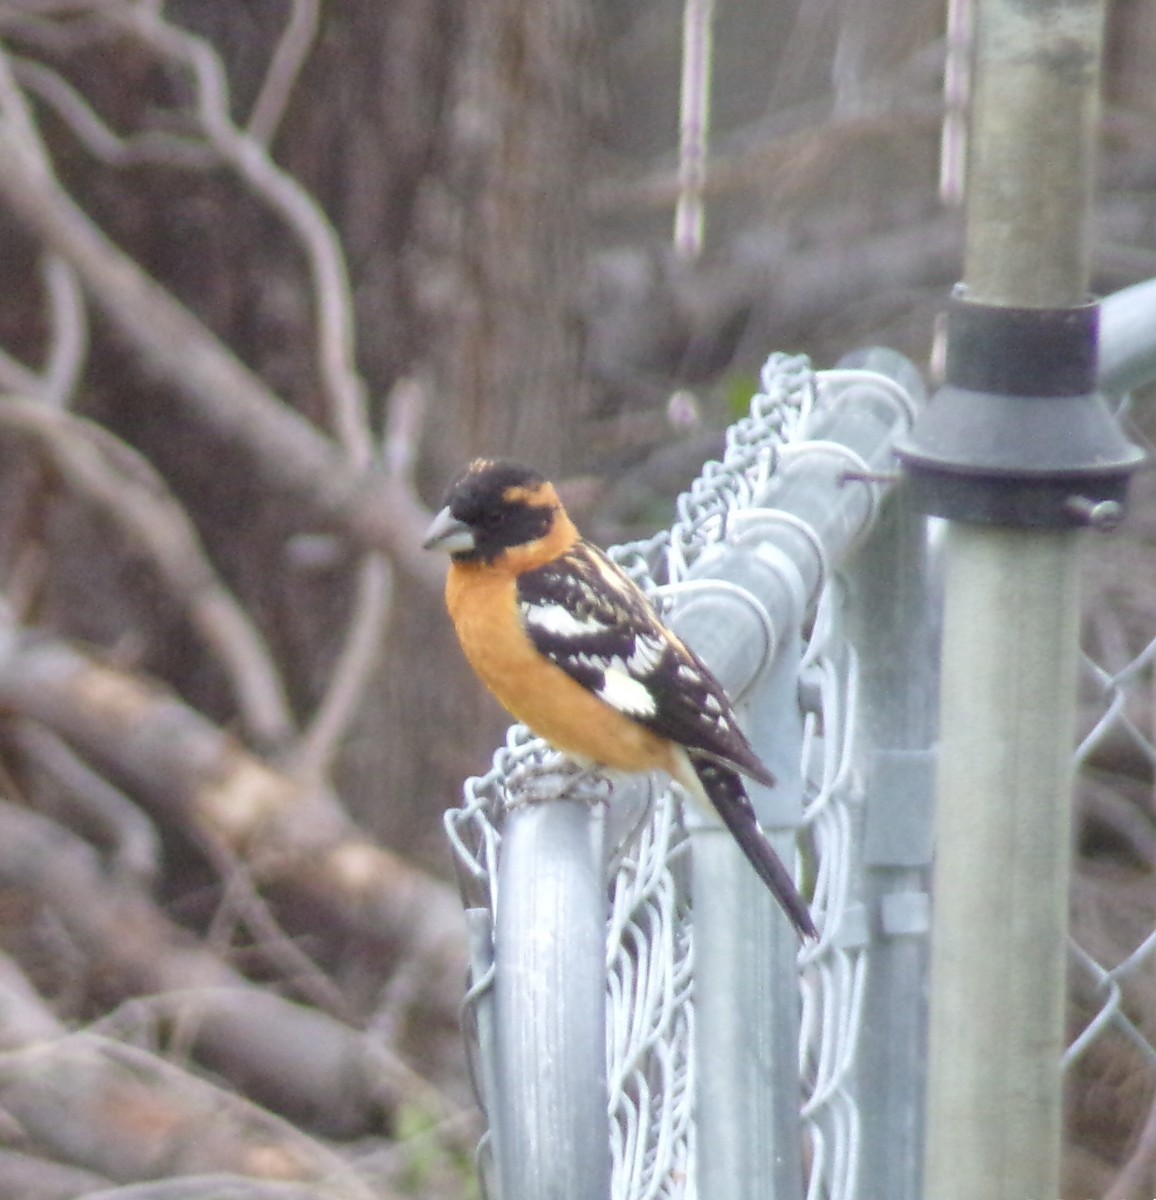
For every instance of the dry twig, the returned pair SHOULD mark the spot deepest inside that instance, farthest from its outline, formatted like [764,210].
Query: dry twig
[292,835]
[93,803]
[97,1105]
[292,50]
[297,1059]
[121,482]
[292,455]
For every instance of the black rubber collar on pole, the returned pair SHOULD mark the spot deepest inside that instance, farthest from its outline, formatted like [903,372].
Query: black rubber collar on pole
[1018,434]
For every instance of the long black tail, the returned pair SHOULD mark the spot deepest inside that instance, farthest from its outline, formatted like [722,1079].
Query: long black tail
[728,796]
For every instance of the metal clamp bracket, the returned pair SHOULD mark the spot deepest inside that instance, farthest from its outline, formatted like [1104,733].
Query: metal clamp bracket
[1018,435]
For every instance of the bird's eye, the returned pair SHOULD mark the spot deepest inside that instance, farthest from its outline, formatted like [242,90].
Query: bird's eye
[491,519]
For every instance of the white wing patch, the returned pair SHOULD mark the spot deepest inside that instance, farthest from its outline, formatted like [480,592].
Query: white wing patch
[559,620]
[621,691]
[646,655]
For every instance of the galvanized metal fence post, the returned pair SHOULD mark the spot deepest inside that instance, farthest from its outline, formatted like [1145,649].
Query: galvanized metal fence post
[551,1124]
[747,1016]
[893,627]
[894,620]
[748,1095]
[1001,884]
[1017,451]
[538,1001]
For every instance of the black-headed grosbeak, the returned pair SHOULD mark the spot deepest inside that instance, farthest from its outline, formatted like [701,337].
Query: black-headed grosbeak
[575,651]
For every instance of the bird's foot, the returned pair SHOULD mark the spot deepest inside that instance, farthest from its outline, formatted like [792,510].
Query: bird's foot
[555,778]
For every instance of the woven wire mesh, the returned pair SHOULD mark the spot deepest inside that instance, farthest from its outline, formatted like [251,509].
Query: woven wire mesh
[650,938]
[833,978]
[1110,1062]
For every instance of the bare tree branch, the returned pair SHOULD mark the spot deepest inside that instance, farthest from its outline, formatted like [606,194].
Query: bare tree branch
[250,159]
[102,142]
[86,1099]
[25,1019]
[95,803]
[1136,1175]
[243,904]
[292,50]
[33,1178]
[124,485]
[297,1058]
[127,1114]
[370,611]
[405,412]
[292,835]
[353,671]
[68,346]
[291,454]
[16,377]
[18,116]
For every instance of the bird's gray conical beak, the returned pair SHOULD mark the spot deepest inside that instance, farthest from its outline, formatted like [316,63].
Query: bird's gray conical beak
[447,533]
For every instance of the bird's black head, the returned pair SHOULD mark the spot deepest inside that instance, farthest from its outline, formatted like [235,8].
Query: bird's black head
[493,507]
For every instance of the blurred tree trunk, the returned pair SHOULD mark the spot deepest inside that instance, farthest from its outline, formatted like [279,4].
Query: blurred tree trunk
[454,165]
[501,244]
[509,223]
[446,144]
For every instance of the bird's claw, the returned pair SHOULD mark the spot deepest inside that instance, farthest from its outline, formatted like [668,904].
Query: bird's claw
[555,778]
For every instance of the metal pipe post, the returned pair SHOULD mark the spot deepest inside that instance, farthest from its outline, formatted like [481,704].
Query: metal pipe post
[893,630]
[550,1102]
[1003,828]
[1003,823]
[748,1095]
[822,497]
[1032,135]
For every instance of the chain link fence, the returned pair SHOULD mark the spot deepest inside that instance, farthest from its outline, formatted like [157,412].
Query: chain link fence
[845,714]
[1110,1062]
[651,1005]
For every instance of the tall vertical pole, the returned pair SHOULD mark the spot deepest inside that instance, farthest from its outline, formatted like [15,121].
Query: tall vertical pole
[1001,873]
[1010,644]
[1033,130]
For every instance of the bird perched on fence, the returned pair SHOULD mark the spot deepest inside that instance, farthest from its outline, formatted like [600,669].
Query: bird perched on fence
[573,649]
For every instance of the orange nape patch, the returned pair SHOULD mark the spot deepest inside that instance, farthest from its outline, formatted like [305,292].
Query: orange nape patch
[541,495]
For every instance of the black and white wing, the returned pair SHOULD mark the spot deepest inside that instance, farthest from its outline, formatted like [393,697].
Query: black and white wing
[587,617]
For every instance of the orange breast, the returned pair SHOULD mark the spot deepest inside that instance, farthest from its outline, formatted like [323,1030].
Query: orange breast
[535,691]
